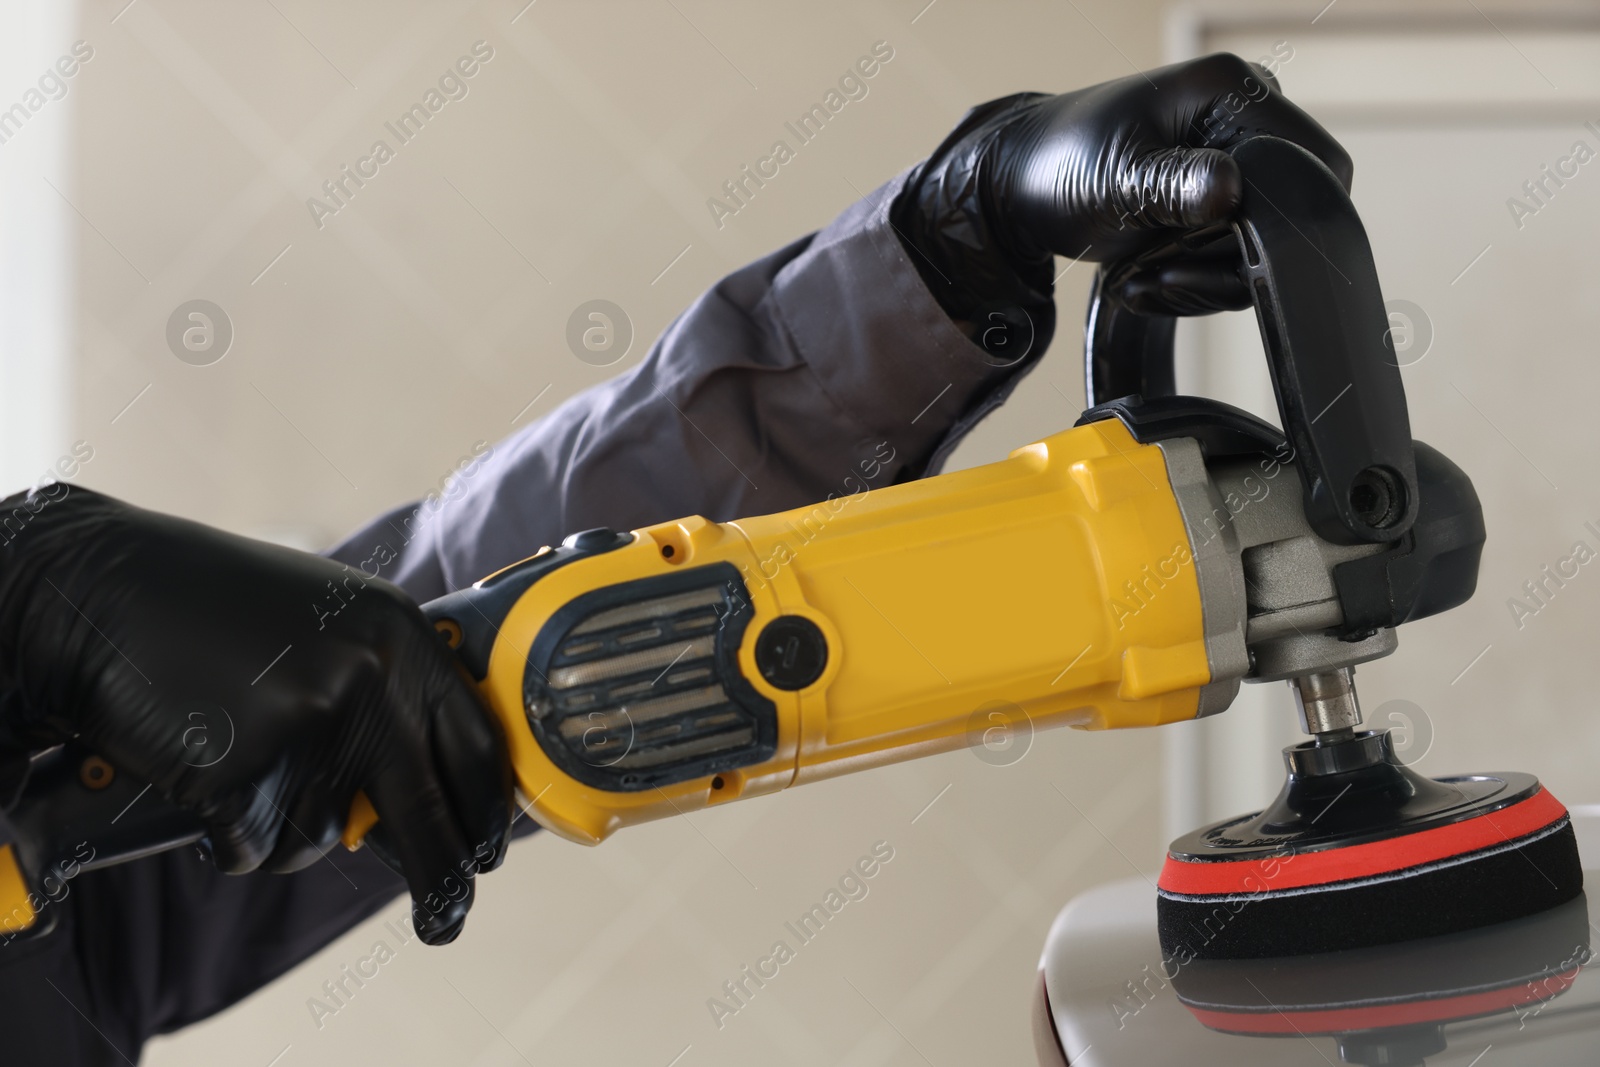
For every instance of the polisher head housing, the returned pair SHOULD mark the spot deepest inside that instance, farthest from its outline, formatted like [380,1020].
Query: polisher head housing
[1360,850]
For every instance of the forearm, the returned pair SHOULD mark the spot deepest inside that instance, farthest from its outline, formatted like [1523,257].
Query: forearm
[825,368]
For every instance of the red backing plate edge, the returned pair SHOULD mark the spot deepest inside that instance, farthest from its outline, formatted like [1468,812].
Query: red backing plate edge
[1296,870]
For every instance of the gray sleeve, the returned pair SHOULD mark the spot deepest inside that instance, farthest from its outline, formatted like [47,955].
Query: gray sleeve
[793,378]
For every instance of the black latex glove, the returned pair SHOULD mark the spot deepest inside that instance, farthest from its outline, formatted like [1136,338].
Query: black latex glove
[1099,174]
[258,686]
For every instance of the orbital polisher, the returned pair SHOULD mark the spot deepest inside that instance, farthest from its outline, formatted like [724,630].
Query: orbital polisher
[1130,571]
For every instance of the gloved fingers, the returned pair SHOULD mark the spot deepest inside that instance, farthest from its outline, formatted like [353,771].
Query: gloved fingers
[471,755]
[421,832]
[1241,109]
[312,826]
[1191,286]
[243,825]
[1270,77]
[14,768]
[1179,188]
[381,842]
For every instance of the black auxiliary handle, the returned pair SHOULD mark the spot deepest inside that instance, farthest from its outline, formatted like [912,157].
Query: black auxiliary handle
[1323,323]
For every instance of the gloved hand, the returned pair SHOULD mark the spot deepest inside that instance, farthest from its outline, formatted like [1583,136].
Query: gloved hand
[1101,174]
[258,686]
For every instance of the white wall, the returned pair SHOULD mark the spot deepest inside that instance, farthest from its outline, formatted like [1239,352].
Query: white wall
[36,229]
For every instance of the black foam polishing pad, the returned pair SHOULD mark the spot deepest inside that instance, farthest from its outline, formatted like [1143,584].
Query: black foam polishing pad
[1397,1004]
[1482,849]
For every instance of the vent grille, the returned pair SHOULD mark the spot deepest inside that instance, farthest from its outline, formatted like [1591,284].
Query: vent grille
[637,685]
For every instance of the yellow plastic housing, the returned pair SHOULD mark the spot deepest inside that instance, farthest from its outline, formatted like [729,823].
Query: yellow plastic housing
[16,903]
[1055,587]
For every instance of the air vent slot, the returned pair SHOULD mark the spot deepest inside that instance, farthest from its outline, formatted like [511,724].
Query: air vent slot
[637,685]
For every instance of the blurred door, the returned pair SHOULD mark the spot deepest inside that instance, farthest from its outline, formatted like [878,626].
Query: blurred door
[1476,138]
